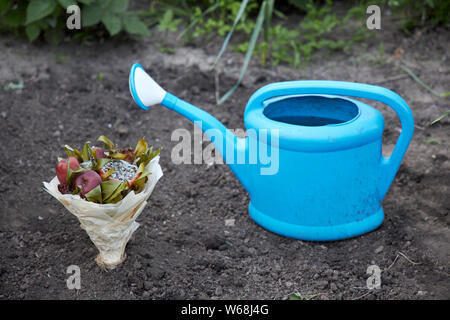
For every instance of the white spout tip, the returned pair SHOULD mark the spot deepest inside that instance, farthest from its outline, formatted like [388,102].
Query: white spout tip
[144,90]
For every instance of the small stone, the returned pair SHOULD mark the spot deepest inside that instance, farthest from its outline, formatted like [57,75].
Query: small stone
[40,218]
[219,291]
[333,287]
[335,275]
[4,114]
[122,129]
[57,133]
[421,293]
[229,222]
[379,249]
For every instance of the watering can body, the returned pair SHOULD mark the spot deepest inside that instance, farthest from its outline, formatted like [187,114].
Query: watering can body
[331,176]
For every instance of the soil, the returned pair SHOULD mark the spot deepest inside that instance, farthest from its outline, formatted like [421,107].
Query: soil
[183,248]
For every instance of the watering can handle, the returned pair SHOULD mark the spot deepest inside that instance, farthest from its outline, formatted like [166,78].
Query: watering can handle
[389,165]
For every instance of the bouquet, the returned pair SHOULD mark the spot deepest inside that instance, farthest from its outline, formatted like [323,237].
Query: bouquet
[107,189]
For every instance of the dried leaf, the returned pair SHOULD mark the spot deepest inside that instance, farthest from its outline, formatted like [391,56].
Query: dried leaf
[73,153]
[139,184]
[129,154]
[147,156]
[106,175]
[141,147]
[118,155]
[107,143]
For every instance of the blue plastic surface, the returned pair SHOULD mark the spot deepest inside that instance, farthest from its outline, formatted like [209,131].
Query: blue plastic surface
[331,177]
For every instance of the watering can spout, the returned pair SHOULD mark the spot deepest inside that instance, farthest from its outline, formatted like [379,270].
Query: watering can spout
[147,92]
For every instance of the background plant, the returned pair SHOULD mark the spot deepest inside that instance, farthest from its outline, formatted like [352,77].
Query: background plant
[48,17]
[260,29]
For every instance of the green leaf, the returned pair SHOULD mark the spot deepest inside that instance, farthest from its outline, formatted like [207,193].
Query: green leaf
[134,25]
[107,143]
[144,174]
[167,22]
[112,189]
[147,156]
[101,162]
[14,18]
[248,54]
[73,153]
[112,23]
[116,199]
[199,19]
[440,117]
[298,296]
[416,78]
[227,39]
[432,141]
[72,173]
[118,6]
[4,5]
[108,188]
[66,3]
[141,168]
[87,152]
[14,86]
[32,31]
[91,15]
[38,9]
[95,195]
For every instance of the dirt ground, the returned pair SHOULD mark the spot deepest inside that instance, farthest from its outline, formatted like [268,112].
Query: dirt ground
[183,250]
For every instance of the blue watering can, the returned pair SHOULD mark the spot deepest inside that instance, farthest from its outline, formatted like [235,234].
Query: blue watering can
[331,176]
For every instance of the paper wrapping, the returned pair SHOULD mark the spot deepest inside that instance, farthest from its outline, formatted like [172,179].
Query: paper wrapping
[109,226]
